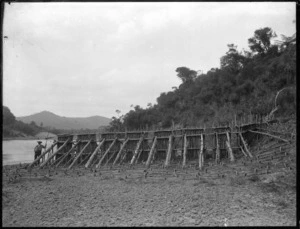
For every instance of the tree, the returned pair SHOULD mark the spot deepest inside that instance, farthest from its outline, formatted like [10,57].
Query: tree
[186,74]
[8,117]
[233,60]
[261,41]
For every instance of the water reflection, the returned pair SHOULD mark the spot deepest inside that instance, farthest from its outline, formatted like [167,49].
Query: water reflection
[20,151]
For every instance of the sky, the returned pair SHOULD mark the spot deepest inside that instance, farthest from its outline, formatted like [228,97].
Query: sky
[86,59]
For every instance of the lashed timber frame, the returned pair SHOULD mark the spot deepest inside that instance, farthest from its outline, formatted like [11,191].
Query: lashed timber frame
[60,159]
[181,146]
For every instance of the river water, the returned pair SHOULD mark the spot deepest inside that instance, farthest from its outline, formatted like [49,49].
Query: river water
[20,151]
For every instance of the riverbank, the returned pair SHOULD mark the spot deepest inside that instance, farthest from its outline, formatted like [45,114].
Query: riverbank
[125,197]
[18,138]
[26,138]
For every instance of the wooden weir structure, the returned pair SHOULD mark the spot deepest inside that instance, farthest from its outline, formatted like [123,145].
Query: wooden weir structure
[181,146]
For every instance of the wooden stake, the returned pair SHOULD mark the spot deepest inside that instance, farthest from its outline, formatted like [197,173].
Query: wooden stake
[94,153]
[184,150]
[245,144]
[169,152]
[120,151]
[66,154]
[201,158]
[229,149]
[106,152]
[39,157]
[80,153]
[65,143]
[136,150]
[270,135]
[243,151]
[151,152]
[217,150]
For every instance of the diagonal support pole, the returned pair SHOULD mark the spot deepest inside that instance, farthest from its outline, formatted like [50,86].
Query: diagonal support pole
[60,148]
[120,151]
[136,150]
[46,151]
[229,149]
[94,154]
[81,152]
[60,160]
[169,152]
[151,152]
[106,152]
[245,144]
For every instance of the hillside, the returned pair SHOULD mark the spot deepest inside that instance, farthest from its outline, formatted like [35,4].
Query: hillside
[13,128]
[260,82]
[49,119]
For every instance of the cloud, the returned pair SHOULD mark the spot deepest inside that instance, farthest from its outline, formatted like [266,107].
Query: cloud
[81,59]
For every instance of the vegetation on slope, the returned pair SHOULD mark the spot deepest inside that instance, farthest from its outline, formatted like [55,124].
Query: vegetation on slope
[14,128]
[247,82]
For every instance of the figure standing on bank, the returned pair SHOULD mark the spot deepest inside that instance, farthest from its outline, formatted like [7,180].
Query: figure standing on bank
[38,150]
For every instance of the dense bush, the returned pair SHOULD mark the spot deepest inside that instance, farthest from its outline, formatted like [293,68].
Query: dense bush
[247,82]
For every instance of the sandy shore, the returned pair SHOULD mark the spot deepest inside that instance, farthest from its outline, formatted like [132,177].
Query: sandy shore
[124,197]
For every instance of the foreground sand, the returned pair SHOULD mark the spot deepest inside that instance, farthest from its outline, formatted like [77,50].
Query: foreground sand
[126,198]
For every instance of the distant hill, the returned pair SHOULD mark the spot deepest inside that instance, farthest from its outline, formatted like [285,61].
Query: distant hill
[49,119]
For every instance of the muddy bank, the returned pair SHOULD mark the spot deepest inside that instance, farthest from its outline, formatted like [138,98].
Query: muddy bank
[127,198]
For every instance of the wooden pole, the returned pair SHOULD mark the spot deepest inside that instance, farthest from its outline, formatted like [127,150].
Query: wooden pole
[46,151]
[94,153]
[106,152]
[63,157]
[138,156]
[43,164]
[151,151]
[243,151]
[184,150]
[201,158]
[81,152]
[169,152]
[123,157]
[111,156]
[245,144]
[120,151]
[229,147]
[217,149]
[270,135]
[136,150]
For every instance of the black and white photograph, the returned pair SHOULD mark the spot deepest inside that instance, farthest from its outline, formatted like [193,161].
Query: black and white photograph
[139,114]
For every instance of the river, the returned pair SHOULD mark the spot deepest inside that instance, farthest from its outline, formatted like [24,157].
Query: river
[20,151]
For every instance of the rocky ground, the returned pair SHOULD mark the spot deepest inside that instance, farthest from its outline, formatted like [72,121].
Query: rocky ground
[162,197]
